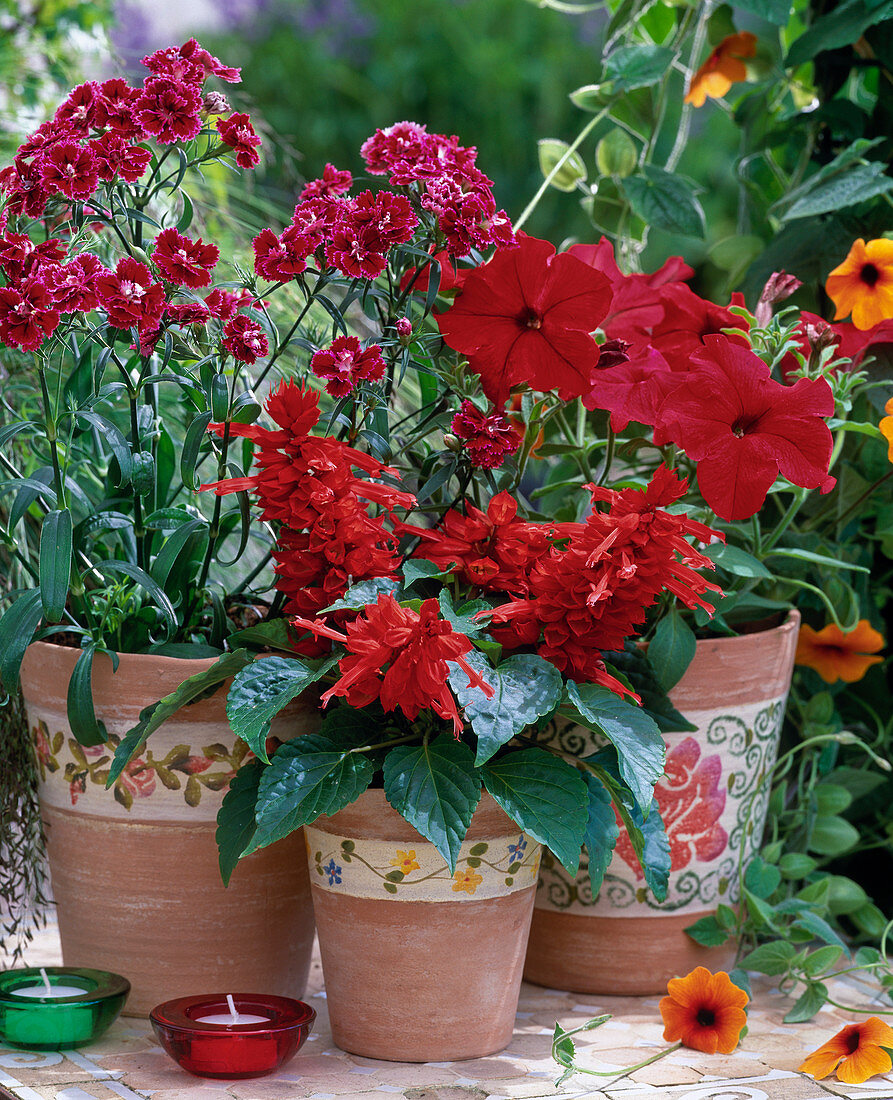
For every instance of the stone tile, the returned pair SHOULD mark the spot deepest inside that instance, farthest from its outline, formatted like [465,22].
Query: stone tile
[418,1076]
[488,1069]
[35,1068]
[666,1072]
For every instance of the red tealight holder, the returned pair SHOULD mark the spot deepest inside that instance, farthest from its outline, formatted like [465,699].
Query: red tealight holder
[232,1050]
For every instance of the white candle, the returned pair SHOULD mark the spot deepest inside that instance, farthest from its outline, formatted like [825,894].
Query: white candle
[234,1016]
[48,990]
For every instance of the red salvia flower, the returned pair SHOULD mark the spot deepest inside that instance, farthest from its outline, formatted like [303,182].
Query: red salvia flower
[128,294]
[238,132]
[488,439]
[70,169]
[245,339]
[27,315]
[525,318]
[344,364]
[169,109]
[743,428]
[399,656]
[184,261]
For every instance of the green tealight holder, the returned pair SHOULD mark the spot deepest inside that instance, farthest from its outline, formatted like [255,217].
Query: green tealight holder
[58,1018]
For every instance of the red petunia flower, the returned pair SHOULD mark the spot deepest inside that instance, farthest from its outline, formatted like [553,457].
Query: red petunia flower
[238,132]
[117,157]
[169,110]
[743,428]
[525,318]
[27,315]
[334,181]
[184,261]
[488,439]
[344,364]
[399,656]
[128,294]
[245,339]
[70,169]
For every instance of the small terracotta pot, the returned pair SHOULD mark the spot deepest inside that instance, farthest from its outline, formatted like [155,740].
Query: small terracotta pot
[420,964]
[134,869]
[713,802]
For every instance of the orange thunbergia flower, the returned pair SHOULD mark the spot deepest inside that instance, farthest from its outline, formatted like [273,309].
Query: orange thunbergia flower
[856,1052]
[886,426]
[723,68]
[836,655]
[704,1011]
[863,283]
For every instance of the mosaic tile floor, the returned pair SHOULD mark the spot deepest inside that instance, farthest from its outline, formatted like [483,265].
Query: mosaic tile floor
[128,1064]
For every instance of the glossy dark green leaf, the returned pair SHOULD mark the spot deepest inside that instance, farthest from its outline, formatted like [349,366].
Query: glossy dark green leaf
[436,788]
[665,200]
[419,569]
[17,627]
[601,833]
[151,717]
[463,619]
[810,1001]
[858,184]
[632,664]
[640,748]
[55,563]
[773,11]
[358,595]
[525,687]
[841,26]
[737,561]
[545,797]
[196,434]
[672,649]
[260,690]
[236,824]
[632,67]
[307,777]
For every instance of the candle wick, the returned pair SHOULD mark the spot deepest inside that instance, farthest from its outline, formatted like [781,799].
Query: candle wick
[232,1008]
[46,981]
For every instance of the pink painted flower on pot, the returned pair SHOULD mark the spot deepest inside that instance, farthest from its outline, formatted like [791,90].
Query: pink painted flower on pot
[691,803]
[138,778]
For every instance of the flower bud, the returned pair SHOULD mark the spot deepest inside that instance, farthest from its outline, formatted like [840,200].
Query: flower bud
[403,325]
[779,286]
[215,103]
[452,443]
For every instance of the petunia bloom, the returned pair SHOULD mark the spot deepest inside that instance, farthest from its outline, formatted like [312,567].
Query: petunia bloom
[704,1011]
[857,1052]
[743,428]
[525,318]
[863,284]
[723,68]
[838,655]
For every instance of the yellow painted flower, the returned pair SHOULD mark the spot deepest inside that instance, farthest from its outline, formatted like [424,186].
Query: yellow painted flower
[838,656]
[863,284]
[467,880]
[405,861]
[886,426]
[723,68]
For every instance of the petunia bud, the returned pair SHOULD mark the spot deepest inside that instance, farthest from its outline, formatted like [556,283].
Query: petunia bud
[779,287]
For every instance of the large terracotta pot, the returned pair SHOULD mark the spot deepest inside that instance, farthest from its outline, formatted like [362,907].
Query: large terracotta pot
[134,869]
[420,965]
[624,941]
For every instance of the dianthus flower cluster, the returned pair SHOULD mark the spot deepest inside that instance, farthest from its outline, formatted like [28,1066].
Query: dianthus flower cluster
[488,438]
[97,134]
[344,363]
[306,484]
[591,594]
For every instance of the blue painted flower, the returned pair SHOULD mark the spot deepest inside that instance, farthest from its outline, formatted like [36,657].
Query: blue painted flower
[516,851]
[333,871]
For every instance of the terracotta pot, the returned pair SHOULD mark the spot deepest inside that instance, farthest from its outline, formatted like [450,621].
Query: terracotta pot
[420,965]
[624,942]
[134,869]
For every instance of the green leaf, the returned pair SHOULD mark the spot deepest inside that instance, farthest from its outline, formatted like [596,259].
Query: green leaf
[172,548]
[665,200]
[796,865]
[844,24]
[151,717]
[196,434]
[820,960]
[572,170]
[260,690]
[813,923]
[817,559]
[116,441]
[737,561]
[601,833]
[81,712]
[858,184]
[307,777]
[435,787]
[640,748]
[808,1004]
[770,958]
[545,797]
[142,474]
[55,563]
[832,835]
[236,824]
[632,67]
[762,878]
[272,634]
[633,664]
[17,627]
[773,11]
[365,592]
[525,688]
[672,649]
[463,619]
[420,569]
[143,579]
[707,931]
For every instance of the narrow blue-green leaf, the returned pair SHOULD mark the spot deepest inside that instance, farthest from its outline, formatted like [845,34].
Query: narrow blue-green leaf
[115,439]
[192,441]
[172,548]
[85,726]
[436,788]
[142,578]
[55,563]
